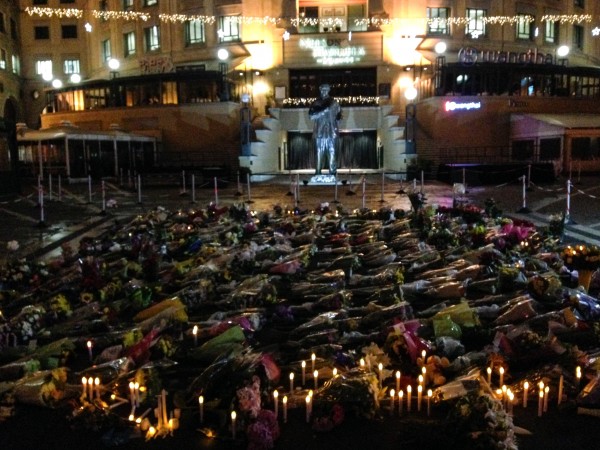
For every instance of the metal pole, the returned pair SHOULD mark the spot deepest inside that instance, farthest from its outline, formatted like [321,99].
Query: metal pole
[89,189]
[382,187]
[422,180]
[364,192]
[59,188]
[183,181]
[120,176]
[41,193]
[568,211]
[335,195]
[216,193]
[529,176]
[129,177]
[193,188]
[139,188]
[50,186]
[298,188]
[248,187]
[239,185]
[103,197]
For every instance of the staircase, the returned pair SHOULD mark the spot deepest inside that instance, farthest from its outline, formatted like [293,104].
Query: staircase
[392,135]
[264,159]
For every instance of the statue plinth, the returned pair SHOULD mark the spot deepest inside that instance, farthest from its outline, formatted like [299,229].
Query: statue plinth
[323,179]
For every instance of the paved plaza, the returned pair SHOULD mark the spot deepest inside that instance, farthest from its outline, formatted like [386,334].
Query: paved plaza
[79,209]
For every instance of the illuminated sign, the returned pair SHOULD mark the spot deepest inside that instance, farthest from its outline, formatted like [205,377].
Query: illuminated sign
[453,106]
[332,52]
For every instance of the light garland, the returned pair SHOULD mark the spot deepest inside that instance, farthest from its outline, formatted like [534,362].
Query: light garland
[123,15]
[572,19]
[303,21]
[358,100]
[69,13]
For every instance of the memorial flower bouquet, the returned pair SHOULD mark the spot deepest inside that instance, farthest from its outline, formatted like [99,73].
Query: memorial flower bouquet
[583,258]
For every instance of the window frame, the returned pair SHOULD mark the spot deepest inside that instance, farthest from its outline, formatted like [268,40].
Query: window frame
[71,66]
[442,28]
[152,38]
[578,37]
[39,28]
[39,66]
[106,50]
[129,44]
[198,28]
[233,28]
[476,15]
[524,28]
[69,27]
[551,31]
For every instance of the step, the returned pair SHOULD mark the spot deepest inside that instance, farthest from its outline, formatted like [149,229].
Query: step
[264,135]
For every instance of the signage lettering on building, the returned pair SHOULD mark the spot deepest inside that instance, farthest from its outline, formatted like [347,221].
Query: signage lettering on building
[469,56]
[332,51]
[453,106]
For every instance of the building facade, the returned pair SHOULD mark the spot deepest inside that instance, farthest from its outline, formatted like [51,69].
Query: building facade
[417,80]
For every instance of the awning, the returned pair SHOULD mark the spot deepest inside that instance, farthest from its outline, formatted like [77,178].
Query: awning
[70,132]
[569,121]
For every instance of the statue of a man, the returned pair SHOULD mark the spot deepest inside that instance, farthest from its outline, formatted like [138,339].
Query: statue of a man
[326,113]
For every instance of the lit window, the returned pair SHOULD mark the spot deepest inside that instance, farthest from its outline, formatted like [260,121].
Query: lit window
[475,25]
[43,66]
[152,36]
[194,32]
[524,26]
[16,64]
[437,23]
[229,29]
[129,43]
[150,2]
[2,59]
[551,32]
[71,66]
[106,52]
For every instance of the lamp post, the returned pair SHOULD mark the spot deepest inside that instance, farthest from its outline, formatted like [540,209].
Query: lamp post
[245,120]
[113,65]
[561,54]
[223,55]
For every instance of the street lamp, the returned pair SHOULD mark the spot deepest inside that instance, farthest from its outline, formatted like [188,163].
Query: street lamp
[223,55]
[75,78]
[561,53]
[113,65]
[56,83]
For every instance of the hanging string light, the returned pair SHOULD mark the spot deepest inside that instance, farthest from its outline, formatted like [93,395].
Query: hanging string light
[302,21]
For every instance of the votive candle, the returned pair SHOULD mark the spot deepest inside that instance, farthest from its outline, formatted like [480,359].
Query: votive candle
[525,393]
[90,347]
[419,397]
[316,377]
[429,395]
[291,381]
[91,388]
[489,375]
[392,395]
[284,400]
[303,372]
[307,408]
[313,358]
[84,387]
[501,370]
[201,405]
[195,333]
[541,403]
[398,375]
[276,403]
[334,372]
[400,402]
[380,370]
[408,397]
[546,395]
[97,387]
[233,419]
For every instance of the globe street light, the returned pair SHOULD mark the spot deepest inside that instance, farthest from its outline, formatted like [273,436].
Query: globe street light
[113,65]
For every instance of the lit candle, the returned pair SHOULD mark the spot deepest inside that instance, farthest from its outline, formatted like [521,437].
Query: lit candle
[195,333]
[560,389]
[400,402]
[540,403]
[578,376]
[276,403]
[132,393]
[525,393]
[420,378]
[362,363]
[97,387]
[424,372]
[489,375]
[380,370]
[151,432]
[233,418]
[90,346]
[84,387]
[501,370]
[398,375]
[313,358]
[511,397]
[334,372]
[419,397]
[392,395]
[303,373]
[504,389]
[307,408]
[136,391]
[316,376]
[201,404]
[424,356]
[546,395]
[284,401]
[408,397]
[91,388]
[291,381]
[429,395]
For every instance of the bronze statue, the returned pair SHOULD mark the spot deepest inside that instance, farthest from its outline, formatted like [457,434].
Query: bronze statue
[326,113]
